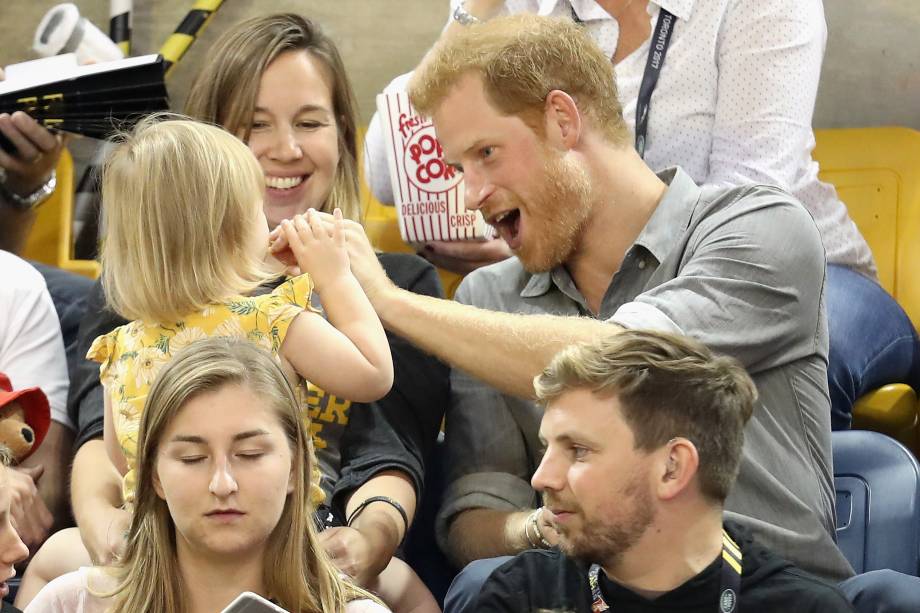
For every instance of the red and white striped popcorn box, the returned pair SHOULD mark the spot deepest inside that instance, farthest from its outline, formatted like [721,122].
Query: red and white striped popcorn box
[428,193]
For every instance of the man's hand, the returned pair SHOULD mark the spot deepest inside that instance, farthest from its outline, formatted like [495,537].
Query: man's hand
[547,527]
[464,257]
[352,553]
[527,538]
[104,536]
[31,517]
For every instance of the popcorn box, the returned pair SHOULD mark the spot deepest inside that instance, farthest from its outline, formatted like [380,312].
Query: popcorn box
[428,193]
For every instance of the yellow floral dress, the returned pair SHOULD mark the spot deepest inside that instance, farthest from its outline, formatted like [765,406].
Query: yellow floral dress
[132,355]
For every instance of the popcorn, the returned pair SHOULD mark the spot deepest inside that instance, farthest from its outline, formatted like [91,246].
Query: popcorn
[428,192]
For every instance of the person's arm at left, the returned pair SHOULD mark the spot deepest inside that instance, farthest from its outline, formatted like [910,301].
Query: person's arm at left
[37,153]
[53,455]
[769,59]
[32,355]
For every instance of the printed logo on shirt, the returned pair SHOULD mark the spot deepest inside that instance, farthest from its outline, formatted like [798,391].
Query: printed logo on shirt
[727,601]
[324,409]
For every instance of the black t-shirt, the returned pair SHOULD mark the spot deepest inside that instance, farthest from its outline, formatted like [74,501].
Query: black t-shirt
[397,432]
[548,580]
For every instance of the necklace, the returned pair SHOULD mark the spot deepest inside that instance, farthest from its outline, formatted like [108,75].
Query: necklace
[729,581]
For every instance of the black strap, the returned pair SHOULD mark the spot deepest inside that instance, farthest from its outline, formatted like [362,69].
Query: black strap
[658,49]
[393,503]
[729,580]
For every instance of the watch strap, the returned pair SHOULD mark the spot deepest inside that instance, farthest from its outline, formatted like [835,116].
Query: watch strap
[29,201]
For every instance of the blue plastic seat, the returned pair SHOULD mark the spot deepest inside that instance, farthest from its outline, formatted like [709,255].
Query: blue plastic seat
[878,502]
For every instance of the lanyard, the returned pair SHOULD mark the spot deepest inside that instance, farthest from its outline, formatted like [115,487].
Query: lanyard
[658,48]
[729,581]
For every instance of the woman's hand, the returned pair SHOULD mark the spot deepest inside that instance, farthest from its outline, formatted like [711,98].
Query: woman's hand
[105,535]
[353,553]
[31,517]
[279,249]
[316,248]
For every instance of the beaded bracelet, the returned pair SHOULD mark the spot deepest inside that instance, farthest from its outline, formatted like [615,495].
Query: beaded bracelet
[538,541]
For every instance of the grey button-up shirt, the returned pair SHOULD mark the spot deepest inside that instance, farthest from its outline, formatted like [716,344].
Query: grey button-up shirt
[741,270]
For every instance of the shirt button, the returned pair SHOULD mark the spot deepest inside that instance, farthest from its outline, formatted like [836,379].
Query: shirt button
[641,264]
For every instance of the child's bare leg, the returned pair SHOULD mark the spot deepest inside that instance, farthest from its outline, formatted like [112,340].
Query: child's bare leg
[401,589]
[62,553]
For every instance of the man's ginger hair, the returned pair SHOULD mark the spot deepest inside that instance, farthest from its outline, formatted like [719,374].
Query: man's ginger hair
[521,59]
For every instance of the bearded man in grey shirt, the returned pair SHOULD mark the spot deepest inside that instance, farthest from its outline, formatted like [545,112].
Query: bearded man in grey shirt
[526,107]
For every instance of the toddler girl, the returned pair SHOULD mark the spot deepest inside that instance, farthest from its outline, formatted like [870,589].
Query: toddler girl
[185,244]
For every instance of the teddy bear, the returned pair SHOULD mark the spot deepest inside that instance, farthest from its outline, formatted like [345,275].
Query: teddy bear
[24,419]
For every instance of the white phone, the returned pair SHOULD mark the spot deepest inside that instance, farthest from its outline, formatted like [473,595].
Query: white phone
[249,602]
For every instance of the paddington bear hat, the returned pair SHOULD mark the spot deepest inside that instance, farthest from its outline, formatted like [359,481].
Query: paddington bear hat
[34,404]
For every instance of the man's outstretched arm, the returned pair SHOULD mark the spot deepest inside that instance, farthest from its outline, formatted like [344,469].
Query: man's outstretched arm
[505,350]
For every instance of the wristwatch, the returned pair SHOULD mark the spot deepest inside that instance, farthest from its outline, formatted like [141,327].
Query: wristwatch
[463,17]
[29,201]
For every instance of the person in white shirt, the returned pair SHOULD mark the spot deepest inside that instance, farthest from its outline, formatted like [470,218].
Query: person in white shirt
[32,355]
[222,503]
[744,118]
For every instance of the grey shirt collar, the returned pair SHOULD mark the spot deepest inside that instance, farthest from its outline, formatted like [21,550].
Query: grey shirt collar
[669,221]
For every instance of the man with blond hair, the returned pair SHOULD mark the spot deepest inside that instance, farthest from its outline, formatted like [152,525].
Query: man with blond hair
[643,434]
[526,107]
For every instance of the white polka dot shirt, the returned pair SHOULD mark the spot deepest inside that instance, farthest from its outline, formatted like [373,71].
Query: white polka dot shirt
[733,104]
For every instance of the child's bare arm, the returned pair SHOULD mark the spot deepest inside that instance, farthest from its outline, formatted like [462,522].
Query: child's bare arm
[112,448]
[349,354]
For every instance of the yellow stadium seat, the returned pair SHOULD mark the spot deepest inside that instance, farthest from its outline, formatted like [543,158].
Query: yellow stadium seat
[877,174]
[381,225]
[51,238]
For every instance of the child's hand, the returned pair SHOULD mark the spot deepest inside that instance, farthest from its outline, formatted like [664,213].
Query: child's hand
[315,249]
[279,249]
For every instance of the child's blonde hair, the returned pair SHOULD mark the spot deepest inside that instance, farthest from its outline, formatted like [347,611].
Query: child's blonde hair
[180,203]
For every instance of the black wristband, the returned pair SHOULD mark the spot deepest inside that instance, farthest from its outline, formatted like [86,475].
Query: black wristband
[389,501]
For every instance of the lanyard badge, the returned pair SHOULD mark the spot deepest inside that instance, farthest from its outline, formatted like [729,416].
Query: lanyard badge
[658,49]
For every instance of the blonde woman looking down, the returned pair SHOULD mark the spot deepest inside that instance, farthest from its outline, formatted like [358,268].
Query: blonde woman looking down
[222,501]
